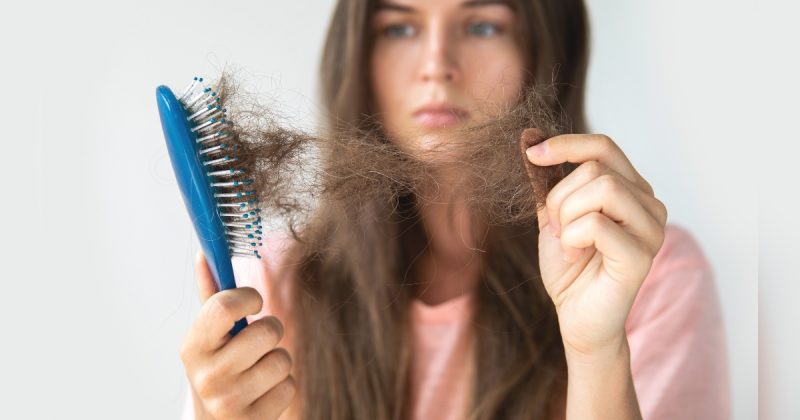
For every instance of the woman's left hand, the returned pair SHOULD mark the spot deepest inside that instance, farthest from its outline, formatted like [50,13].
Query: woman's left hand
[599,232]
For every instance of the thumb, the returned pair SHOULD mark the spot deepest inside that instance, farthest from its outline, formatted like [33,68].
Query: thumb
[205,281]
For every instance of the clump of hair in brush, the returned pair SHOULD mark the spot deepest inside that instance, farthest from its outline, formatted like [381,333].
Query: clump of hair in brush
[297,172]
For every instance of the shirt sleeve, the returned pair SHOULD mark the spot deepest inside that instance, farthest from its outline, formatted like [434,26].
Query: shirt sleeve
[675,332]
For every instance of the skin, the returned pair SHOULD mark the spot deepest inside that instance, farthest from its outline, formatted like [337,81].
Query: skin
[599,232]
[436,51]
[244,377]
[602,225]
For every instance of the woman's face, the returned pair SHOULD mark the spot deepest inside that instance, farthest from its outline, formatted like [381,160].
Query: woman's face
[441,64]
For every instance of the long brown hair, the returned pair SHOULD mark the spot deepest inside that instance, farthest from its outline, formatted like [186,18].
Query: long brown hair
[351,298]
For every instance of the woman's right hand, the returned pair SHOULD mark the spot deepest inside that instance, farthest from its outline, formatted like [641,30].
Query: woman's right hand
[239,377]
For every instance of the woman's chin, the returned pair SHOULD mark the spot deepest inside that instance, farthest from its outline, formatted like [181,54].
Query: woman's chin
[433,147]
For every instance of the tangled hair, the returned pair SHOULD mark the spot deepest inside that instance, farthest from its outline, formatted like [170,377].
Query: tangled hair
[295,171]
[350,198]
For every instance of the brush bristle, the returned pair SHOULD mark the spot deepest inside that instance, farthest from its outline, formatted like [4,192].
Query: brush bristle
[237,204]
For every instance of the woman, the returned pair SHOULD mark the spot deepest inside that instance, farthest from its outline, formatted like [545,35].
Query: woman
[600,311]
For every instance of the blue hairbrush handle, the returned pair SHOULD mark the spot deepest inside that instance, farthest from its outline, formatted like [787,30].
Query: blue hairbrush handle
[196,191]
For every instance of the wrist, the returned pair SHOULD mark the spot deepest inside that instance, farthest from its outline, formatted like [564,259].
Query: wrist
[611,352]
[599,382]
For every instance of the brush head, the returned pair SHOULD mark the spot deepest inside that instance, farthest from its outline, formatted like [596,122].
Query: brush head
[214,183]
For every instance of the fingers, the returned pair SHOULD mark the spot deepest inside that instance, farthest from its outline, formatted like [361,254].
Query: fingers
[253,342]
[276,400]
[625,258]
[205,281]
[266,374]
[592,171]
[602,179]
[579,148]
[236,391]
[605,183]
[623,203]
[244,372]
[218,314]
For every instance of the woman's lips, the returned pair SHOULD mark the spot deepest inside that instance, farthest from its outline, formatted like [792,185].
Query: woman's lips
[438,118]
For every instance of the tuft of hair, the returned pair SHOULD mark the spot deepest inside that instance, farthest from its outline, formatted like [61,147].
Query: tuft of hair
[228,175]
[295,172]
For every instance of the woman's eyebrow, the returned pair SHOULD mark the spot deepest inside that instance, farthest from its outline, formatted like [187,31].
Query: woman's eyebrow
[394,6]
[465,5]
[478,3]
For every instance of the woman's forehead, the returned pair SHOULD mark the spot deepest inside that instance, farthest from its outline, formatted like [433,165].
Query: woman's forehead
[415,6]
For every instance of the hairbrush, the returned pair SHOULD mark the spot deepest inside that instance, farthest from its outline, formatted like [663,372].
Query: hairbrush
[215,186]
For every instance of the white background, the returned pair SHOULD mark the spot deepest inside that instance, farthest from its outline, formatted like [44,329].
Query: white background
[98,289]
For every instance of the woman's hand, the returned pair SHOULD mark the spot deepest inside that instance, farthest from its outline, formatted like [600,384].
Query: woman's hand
[599,232]
[239,377]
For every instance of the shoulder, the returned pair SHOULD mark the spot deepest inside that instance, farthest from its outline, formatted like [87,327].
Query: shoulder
[676,335]
[679,247]
[680,275]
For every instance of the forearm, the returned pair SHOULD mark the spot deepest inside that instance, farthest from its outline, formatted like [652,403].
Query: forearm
[600,385]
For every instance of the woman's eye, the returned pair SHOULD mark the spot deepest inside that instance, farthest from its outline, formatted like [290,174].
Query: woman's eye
[398,31]
[483,29]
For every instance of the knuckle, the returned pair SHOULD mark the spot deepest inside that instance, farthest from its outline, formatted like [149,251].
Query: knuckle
[654,240]
[595,221]
[222,305]
[606,141]
[593,169]
[565,210]
[221,367]
[205,384]
[645,253]
[647,186]
[277,325]
[286,390]
[551,202]
[225,406]
[663,211]
[610,185]
[229,305]
[267,333]
[212,377]
[280,397]
[279,363]
[660,241]
[569,210]
[251,293]
[185,352]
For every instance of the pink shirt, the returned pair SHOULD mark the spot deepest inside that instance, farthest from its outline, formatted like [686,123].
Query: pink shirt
[678,357]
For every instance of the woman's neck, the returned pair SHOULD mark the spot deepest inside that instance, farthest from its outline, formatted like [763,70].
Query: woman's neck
[450,265]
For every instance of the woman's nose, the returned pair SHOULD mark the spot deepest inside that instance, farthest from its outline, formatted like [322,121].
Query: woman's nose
[439,61]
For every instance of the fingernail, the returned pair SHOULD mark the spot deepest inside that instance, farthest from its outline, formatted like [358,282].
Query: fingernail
[538,150]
